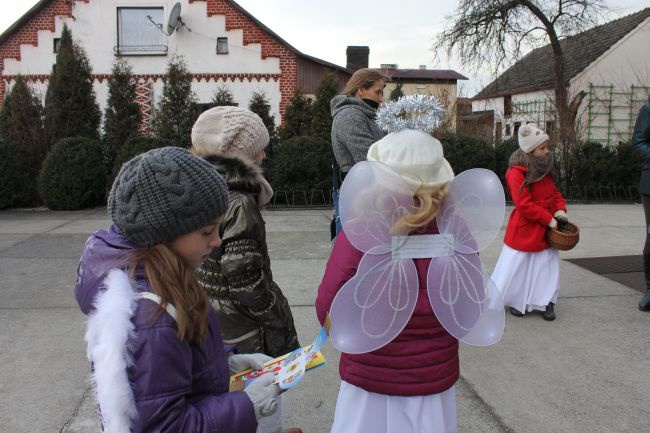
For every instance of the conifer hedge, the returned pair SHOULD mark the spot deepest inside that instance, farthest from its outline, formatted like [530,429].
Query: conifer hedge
[73,175]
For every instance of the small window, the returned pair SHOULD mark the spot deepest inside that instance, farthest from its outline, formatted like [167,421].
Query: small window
[517,125]
[507,105]
[508,130]
[222,45]
[549,127]
[139,31]
[56,45]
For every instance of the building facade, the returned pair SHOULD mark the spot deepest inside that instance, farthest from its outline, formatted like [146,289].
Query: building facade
[223,46]
[610,63]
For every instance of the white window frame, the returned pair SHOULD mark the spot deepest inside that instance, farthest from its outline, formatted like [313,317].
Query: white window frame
[153,41]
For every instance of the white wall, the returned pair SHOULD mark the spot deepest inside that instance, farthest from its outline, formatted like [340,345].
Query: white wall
[95,28]
[613,110]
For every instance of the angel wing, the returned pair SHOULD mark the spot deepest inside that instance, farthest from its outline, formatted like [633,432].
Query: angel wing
[373,307]
[465,300]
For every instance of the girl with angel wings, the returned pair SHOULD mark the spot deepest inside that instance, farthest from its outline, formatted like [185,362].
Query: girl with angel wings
[404,282]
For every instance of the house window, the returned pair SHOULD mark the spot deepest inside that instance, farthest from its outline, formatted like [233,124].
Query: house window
[508,130]
[222,45]
[517,125]
[550,125]
[507,105]
[139,32]
[56,45]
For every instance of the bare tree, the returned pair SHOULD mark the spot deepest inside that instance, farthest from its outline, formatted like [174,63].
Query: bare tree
[497,32]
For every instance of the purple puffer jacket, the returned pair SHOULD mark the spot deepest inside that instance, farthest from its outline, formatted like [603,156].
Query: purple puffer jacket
[176,386]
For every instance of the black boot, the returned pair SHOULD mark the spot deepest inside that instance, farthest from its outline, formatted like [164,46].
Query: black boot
[549,313]
[644,303]
[516,312]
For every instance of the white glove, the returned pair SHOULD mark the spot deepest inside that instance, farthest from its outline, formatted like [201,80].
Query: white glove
[553,223]
[561,215]
[243,362]
[263,393]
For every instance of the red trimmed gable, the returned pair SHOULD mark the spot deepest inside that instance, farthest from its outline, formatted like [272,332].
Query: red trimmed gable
[27,33]
[41,17]
[254,34]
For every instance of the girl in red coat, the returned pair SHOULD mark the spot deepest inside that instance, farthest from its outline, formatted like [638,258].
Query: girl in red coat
[528,269]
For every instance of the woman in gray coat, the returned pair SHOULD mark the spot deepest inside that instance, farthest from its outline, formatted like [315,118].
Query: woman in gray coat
[641,142]
[353,125]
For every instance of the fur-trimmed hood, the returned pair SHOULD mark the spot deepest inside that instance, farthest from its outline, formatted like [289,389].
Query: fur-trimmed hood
[241,174]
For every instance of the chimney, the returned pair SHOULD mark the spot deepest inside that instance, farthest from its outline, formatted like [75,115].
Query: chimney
[357,57]
[423,67]
[388,66]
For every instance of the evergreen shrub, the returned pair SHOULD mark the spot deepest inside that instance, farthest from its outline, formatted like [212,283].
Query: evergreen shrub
[464,152]
[302,163]
[11,176]
[73,175]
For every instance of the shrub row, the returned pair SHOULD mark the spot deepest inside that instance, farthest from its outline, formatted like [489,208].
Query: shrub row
[74,176]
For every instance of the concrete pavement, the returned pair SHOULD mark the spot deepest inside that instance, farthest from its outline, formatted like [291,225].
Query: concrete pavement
[586,372]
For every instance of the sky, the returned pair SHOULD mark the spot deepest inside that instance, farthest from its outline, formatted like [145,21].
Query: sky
[397,32]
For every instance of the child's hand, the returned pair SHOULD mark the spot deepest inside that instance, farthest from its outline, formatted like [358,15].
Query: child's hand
[560,215]
[263,393]
[238,363]
[553,223]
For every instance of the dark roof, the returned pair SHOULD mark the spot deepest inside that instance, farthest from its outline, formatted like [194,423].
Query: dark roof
[423,74]
[42,3]
[535,70]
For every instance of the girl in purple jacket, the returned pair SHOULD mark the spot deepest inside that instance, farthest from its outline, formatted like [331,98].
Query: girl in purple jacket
[158,361]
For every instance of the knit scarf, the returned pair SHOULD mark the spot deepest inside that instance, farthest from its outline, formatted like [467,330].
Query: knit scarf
[538,166]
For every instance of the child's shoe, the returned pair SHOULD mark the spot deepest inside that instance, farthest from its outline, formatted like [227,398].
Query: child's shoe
[549,313]
[644,303]
[516,312]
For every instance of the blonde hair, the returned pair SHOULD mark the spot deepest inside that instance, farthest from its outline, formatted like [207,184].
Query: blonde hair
[363,79]
[429,200]
[173,279]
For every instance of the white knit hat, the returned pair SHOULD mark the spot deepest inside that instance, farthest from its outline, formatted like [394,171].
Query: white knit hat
[231,131]
[414,155]
[530,136]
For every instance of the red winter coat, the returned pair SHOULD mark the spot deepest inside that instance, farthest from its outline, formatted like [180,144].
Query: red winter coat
[421,360]
[533,211]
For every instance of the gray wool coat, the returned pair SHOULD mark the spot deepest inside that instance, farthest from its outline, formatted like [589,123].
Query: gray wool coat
[353,130]
[641,142]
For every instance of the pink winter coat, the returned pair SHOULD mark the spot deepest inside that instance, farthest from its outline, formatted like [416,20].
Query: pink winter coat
[421,360]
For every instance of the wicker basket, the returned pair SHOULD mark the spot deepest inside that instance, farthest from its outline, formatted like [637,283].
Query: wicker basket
[563,240]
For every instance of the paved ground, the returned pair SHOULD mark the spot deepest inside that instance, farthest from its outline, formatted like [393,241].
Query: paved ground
[589,371]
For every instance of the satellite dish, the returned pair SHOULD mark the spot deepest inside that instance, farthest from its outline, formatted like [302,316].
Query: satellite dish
[174,19]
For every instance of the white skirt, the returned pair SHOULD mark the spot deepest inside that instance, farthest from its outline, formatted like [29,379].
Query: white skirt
[528,281]
[360,411]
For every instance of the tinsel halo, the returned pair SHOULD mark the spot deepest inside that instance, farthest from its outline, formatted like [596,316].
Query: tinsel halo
[421,112]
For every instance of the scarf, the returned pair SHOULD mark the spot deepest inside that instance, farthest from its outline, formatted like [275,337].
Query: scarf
[373,104]
[538,167]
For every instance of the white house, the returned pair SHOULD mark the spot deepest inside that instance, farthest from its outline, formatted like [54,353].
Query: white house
[222,44]
[610,62]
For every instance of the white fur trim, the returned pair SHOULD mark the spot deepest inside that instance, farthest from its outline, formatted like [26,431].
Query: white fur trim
[108,334]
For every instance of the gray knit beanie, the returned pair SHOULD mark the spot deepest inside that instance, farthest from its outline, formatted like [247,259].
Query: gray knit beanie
[230,131]
[166,193]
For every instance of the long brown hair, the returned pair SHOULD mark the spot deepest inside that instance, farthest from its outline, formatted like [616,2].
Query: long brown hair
[363,79]
[429,200]
[173,279]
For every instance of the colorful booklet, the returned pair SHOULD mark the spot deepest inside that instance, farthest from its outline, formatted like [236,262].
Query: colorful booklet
[288,369]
